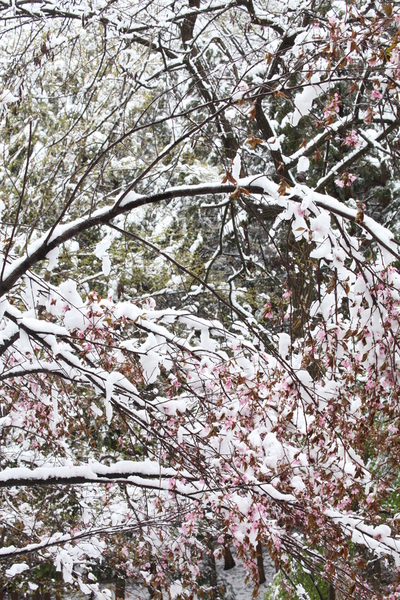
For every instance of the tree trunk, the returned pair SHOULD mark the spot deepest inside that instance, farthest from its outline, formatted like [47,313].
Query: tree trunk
[260,564]
[229,561]
[58,585]
[120,589]
[212,571]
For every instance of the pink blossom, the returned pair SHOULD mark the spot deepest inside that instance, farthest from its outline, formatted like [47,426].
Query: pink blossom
[352,139]
[394,58]
[376,94]
[299,210]
[346,180]
[333,107]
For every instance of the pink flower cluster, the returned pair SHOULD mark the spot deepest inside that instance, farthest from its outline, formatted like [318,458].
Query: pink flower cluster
[333,107]
[346,180]
[352,139]
[376,94]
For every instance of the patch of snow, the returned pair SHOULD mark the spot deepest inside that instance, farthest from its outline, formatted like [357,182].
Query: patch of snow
[303,165]
[234,579]
[7,97]
[16,569]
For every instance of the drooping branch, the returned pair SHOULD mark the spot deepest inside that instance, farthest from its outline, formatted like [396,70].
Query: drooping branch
[146,474]
[256,185]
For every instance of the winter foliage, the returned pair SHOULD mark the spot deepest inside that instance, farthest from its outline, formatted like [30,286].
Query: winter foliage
[199,311]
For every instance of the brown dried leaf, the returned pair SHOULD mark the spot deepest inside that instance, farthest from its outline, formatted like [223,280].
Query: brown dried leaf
[280,94]
[252,112]
[231,177]
[331,285]
[253,141]
[388,8]
[283,187]
[297,323]
[359,215]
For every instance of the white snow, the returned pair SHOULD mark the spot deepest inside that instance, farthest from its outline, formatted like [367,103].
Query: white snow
[303,164]
[16,569]
[7,97]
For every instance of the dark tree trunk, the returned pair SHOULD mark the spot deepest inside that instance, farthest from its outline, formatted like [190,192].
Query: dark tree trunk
[228,558]
[120,589]
[189,22]
[58,586]
[260,564]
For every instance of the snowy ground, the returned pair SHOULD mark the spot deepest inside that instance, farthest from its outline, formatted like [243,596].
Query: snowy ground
[232,580]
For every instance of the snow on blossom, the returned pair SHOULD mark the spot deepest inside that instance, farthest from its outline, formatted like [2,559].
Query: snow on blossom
[239,92]
[297,483]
